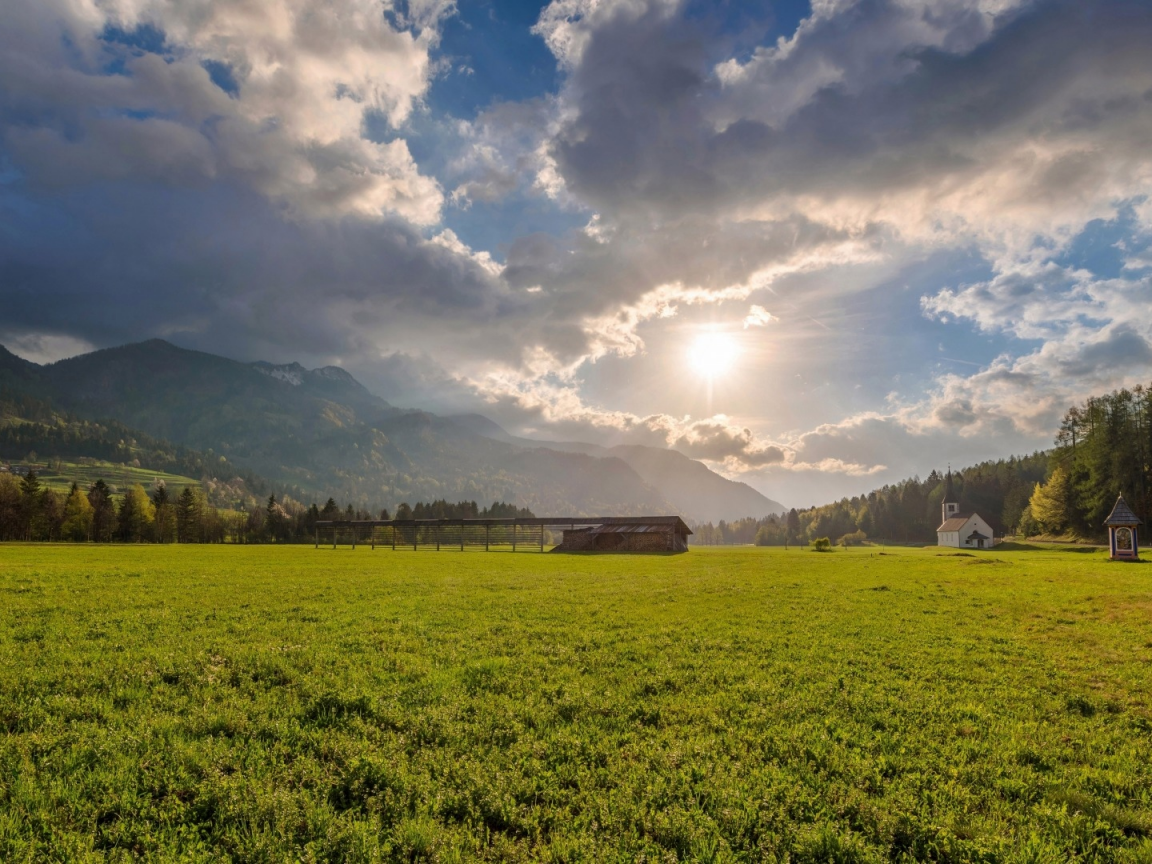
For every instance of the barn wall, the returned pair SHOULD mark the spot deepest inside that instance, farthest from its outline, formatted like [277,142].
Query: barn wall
[649,541]
[617,541]
[577,541]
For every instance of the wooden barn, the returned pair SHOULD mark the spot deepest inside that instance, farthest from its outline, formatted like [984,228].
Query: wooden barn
[629,534]
[580,533]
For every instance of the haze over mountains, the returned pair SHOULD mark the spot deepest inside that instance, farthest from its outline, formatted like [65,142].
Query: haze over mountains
[323,433]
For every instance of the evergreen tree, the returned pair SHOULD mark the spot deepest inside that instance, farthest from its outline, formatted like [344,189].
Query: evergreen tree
[103,512]
[793,525]
[11,516]
[31,506]
[188,513]
[165,514]
[77,525]
[136,515]
[272,513]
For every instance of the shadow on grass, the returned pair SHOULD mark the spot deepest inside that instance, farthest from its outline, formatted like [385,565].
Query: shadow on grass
[1013,546]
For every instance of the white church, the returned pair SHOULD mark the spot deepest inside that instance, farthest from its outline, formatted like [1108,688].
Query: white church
[961,530]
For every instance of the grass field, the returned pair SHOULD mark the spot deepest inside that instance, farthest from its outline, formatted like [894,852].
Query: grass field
[281,704]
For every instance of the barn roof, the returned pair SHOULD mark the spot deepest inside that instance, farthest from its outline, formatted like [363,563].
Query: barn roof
[568,522]
[630,528]
[1122,514]
[640,525]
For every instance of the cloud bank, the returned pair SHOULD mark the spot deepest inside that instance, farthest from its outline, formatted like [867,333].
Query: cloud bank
[260,179]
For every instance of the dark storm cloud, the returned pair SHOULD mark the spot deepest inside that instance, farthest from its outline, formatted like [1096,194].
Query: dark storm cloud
[225,271]
[892,96]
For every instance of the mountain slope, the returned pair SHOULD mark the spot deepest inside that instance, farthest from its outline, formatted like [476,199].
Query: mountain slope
[323,432]
[691,486]
[16,373]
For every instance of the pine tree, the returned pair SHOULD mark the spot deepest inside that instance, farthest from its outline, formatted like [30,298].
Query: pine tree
[187,516]
[165,519]
[31,505]
[103,511]
[10,511]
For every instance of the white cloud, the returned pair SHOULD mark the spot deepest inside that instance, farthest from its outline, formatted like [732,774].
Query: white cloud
[758,316]
[306,78]
[44,347]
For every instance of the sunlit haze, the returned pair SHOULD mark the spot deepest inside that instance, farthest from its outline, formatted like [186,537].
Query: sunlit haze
[712,354]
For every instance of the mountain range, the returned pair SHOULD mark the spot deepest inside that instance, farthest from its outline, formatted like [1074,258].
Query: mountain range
[322,433]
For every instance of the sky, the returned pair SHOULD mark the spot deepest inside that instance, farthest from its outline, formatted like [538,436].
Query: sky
[822,246]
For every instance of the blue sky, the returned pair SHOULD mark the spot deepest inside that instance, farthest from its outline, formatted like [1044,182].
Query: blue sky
[906,232]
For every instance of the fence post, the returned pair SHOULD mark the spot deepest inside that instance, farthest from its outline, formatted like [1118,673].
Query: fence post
[486,528]
[461,535]
[513,535]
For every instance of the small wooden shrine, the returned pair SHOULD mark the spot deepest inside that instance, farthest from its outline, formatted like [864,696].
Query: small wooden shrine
[1122,522]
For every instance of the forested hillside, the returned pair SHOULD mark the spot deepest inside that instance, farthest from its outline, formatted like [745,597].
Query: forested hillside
[904,512]
[909,511]
[31,430]
[1103,449]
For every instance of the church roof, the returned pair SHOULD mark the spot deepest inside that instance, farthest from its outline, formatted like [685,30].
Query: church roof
[956,522]
[1122,514]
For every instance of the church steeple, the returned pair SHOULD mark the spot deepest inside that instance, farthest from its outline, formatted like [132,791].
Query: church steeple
[949,507]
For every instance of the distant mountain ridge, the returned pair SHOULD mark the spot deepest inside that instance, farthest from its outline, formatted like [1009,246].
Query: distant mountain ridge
[690,485]
[324,433]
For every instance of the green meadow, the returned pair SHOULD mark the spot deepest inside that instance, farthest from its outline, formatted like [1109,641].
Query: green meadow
[119,477]
[262,703]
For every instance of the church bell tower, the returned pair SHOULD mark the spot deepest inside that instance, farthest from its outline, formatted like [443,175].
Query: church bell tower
[949,507]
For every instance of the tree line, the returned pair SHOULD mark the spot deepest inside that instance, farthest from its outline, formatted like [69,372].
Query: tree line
[1103,449]
[904,512]
[33,512]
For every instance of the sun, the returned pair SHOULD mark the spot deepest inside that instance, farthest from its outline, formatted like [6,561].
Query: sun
[713,354]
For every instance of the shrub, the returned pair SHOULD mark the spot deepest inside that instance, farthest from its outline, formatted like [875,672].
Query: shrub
[821,544]
[856,538]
